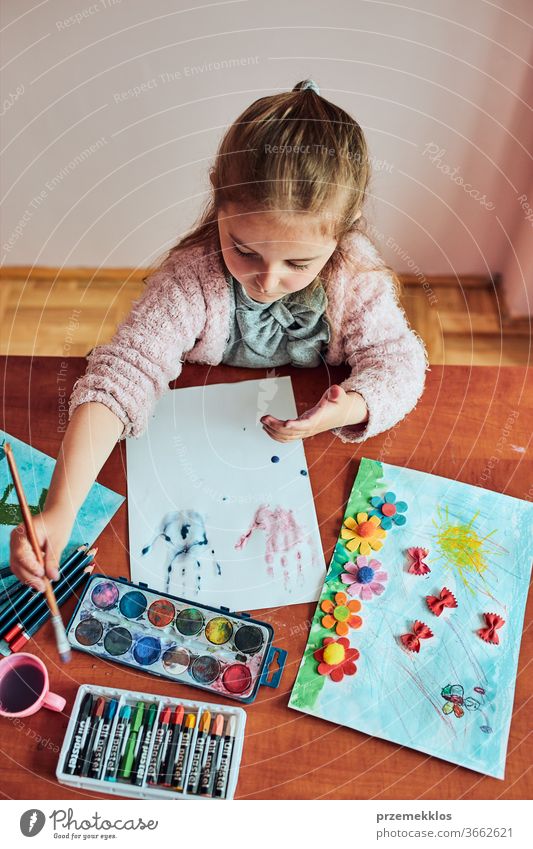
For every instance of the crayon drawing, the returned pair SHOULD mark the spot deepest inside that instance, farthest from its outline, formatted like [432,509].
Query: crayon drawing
[219,511]
[35,469]
[442,594]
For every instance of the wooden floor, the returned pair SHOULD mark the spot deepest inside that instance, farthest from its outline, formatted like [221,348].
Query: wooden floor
[43,316]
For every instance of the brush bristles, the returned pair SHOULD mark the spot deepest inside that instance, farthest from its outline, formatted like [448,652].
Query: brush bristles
[63,647]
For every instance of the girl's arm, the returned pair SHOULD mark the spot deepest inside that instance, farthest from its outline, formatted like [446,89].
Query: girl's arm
[131,372]
[112,400]
[89,439]
[387,358]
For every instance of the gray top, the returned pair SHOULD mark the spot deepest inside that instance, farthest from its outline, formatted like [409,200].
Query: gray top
[292,330]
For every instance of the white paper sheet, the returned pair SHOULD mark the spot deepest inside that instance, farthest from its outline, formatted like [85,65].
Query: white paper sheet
[212,517]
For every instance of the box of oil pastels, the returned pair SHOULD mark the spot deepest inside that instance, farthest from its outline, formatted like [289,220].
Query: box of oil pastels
[151,747]
[228,654]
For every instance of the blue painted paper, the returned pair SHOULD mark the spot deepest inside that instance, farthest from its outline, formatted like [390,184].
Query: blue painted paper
[480,547]
[35,470]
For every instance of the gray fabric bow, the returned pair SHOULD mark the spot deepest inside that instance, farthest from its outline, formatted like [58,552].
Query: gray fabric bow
[291,330]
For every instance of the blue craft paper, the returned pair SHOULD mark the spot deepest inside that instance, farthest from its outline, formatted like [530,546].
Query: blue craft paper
[35,470]
[396,694]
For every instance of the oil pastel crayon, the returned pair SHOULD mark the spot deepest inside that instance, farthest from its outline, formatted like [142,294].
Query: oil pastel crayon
[180,770]
[80,734]
[141,759]
[207,777]
[163,752]
[97,718]
[117,746]
[157,751]
[222,773]
[126,763]
[175,740]
[97,762]
[198,754]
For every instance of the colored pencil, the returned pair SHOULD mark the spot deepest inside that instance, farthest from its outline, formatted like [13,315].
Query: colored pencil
[222,774]
[34,606]
[141,761]
[63,647]
[208,772]
[157,751]
[79,736]
[198,754]
[26,595]
[119,742]
[98,760]
[21,639]
[180,770]
[126,764]
[177,726]
[97,718]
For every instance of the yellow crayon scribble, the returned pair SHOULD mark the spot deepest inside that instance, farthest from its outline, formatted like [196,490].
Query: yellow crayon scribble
[461,546]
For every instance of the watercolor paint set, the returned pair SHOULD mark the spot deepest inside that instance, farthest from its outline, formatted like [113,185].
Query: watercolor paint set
[228,654]
[145,746]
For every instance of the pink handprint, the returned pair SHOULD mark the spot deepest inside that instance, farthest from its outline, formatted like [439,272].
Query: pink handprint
[282,535]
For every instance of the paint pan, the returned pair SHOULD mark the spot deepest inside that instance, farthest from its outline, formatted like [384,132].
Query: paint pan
[226,653]
[249,639]
[117,641]
[105,595]
[161,612]
[205,669]
[176,660]
[133,604]
[218,630]
[190,621]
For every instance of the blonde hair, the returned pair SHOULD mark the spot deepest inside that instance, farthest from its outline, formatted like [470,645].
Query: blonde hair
[290,152]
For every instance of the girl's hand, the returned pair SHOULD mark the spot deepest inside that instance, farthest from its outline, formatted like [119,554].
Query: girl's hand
[335,409]
[53,530]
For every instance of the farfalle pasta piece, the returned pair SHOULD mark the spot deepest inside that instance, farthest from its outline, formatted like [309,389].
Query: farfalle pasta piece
[437,603]
[418,555]
[420,632]
[493,624]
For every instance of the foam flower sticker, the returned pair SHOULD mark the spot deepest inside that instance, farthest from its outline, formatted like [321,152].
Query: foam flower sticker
[364,578]
[419,632]
[389,510]
[417,566]
[336,658]
[363,533]
[341,614]
[493,623]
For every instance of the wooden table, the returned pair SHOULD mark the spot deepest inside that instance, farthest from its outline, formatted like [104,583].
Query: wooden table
[455,430]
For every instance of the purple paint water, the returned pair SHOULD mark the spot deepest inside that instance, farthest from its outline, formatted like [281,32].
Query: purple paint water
[21,687]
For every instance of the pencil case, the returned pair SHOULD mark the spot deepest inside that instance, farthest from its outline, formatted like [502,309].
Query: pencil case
[225,763]
[227,654]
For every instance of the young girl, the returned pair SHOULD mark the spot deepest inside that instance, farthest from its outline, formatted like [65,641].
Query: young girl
[276,271]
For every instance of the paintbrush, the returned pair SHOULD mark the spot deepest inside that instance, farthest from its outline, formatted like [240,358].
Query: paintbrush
[63,647]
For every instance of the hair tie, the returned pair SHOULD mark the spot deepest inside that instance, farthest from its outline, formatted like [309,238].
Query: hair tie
[308,84]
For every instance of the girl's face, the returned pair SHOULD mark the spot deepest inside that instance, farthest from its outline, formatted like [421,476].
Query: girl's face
[272,255]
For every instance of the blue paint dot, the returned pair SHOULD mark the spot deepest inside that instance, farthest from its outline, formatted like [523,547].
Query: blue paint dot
[303,472]
[275,458]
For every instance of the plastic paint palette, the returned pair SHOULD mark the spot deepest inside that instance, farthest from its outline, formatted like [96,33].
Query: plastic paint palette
[225,653]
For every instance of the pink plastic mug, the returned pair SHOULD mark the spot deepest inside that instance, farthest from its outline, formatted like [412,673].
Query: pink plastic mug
[24,686]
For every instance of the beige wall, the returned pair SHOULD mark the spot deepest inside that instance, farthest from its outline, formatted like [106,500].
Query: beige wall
[110,119]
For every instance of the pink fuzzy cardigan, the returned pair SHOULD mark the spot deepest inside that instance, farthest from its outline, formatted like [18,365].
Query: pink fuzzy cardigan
[183,316]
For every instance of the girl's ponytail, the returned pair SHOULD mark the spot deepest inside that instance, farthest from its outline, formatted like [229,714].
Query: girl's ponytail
[307,85]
